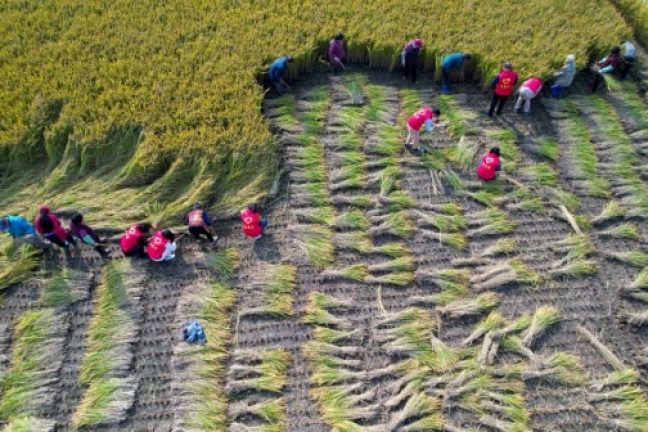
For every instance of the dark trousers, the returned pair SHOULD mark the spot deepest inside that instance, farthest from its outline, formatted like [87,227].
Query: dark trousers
[57,241]
[627,65]
[138,252]
[498,101]
[597,81]
[411,67]
[197,231]
[445,76]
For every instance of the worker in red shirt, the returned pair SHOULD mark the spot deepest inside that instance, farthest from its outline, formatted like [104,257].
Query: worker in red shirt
[426,116]
[134,240]
[489,165]
[49,226]
[503,85]
[252,223]
[162,246]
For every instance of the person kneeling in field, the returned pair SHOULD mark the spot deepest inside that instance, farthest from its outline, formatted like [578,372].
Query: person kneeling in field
[528,90]
[162,246]
[277,71]
[489,165]
[336,52]
[425,116]
[134,240]
[49,226]
[503,85]
[86,234]
[563,78]
[253,224]
[199,223]
[451,63]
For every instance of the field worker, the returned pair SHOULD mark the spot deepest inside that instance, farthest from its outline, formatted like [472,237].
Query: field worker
[605,66]
[409,58]
[528,91]
[629,53]
[162,246]
[134,240]
[489,165]
[564,77]
[86,234]
[252,223]
[451,63]
[503,85]
[199,223]
[426,116]
[16,226]
[49,226]
[277,71]
[336,52]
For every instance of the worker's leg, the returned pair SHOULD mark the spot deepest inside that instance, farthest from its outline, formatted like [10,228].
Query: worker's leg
[518,102]
[54,239]
[500,105]
[413,70]
[627,65]
[445,80]
[416,138]
[410,136]
[597,81]
[527,103]
[493,104]
[406,67]
[208,234]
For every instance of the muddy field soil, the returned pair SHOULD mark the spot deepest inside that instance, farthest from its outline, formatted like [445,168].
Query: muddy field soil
[397,262]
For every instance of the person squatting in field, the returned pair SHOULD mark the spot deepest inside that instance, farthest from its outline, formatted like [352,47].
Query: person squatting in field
[133,241]
[336,53]
[87,235]
[563,78]
[427,117]
[605,66]
[277,71]
[49,226]
[453,62]
[409,58]
[503,85]
[490,164]
[529,90]
[16,226]
[161,246]
[199,223]
[253,225]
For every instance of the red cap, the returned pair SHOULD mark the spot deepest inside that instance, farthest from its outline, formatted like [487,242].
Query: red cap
[43,208]
[419,42]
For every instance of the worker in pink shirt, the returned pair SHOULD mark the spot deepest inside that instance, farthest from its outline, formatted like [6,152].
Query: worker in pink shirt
[426,116]
[528,91]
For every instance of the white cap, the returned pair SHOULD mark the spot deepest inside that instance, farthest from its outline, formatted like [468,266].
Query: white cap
[571,58]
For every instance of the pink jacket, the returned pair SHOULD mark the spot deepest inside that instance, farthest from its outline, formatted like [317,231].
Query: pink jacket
[534,84]
[419,117]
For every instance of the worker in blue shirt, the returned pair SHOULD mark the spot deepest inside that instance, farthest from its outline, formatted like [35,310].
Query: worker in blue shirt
[277,71]
[16,226]
[451,63]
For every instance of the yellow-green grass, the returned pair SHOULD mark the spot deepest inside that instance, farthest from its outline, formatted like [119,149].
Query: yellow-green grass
[17,260]
[107,107]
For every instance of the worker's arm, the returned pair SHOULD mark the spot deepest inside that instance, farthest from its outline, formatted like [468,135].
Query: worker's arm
[206,218]
[87,239]
[494,82]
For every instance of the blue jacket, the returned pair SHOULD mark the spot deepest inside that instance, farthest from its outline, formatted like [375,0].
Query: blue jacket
[278,69]
[18,226]
[453,61]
